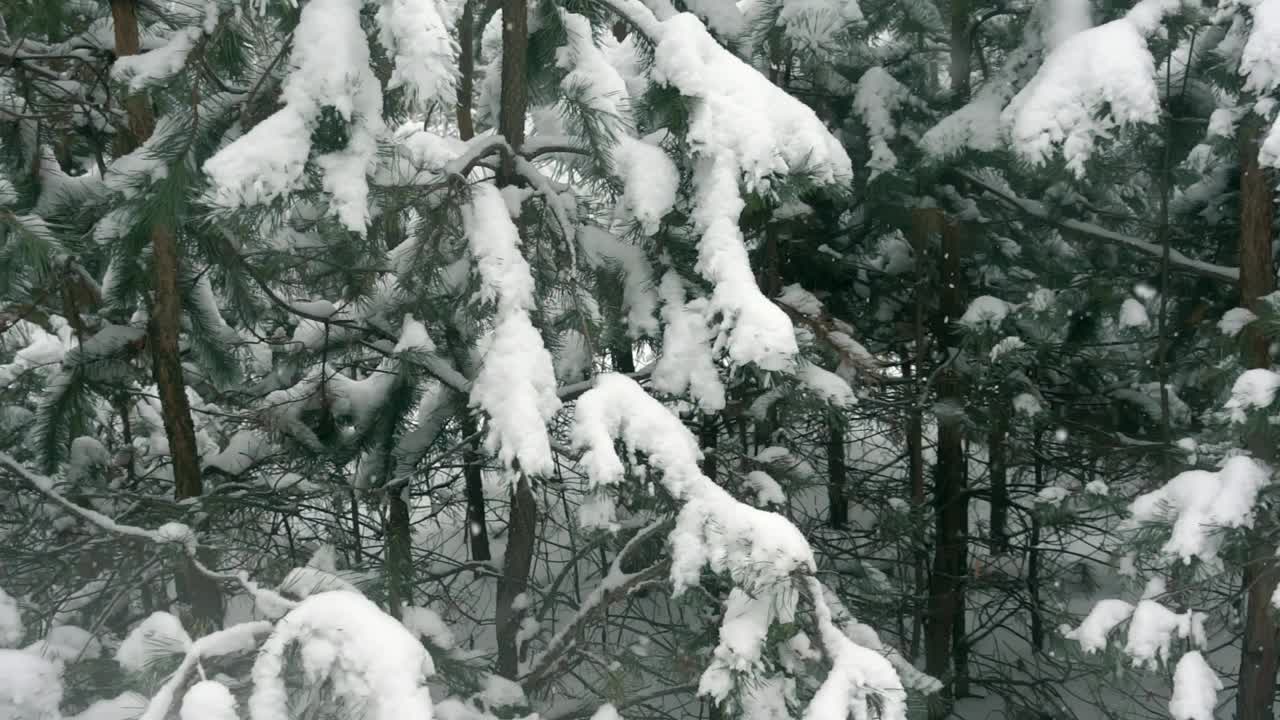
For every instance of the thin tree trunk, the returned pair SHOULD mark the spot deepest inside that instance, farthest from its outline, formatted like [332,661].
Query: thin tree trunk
[961,52]
[200,592]
[945,645]
[708,438]
[522,529]
[920,235]
[837,492]
[998,472]
[399,565]
[399,554]
[1258,660]
[623,360]
[516,565]
[477,524]
[466,70]
[944,630]
[1033,555]
[124,16]
[515,87]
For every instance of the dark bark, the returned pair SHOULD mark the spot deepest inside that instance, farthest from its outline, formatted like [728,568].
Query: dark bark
[708,439]
[998,473]
[124,16]
[200,592]
[1033,555]
[623,360]
[945,617]
[945,646]
[1258,659]
[515,82]
[837,475]
[961,52]
[399,555]
[466,70]
[521,531]
[399,567]
[770,279]
[921,232]
[477,525]
[517,563]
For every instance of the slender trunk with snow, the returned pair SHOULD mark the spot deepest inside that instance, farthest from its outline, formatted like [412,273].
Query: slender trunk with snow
[522,528]
[165,325]
[1258,659]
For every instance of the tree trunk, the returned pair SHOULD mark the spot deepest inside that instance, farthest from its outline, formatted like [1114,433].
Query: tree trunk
[515,87]
[945,647]
[623,360]
[399,554]
[1033,554]
[837,493]
[200,592]
[998,473]
[961,56]
[466,70]
[477,524]
[521,531]
[517,563]
[124,16]
[921,232]
[945,628]
[1258,658]
[708,439]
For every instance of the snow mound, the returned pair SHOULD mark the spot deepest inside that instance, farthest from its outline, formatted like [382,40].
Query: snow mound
[30,687]
[985,311]
[375,665]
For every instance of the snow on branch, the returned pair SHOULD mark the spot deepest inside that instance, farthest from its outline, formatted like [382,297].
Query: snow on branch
[762,552]
[1091,82]
[163,62]
[1176,259]
[237,638]
[376,666]
[416,32]
[1198,505]
[516,384]
[330,67]
[744,129]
